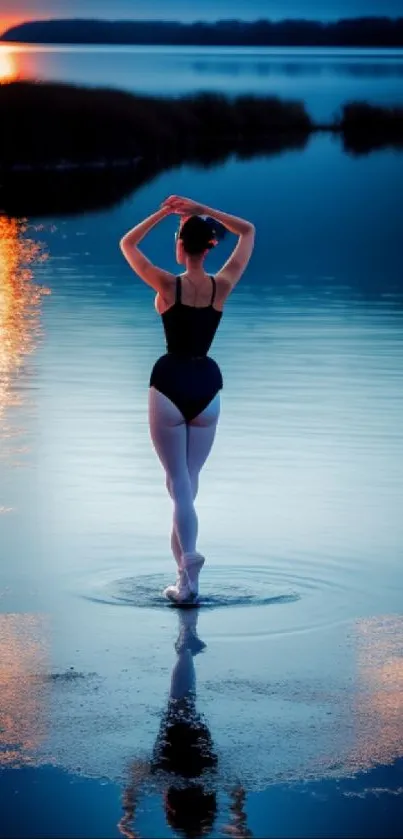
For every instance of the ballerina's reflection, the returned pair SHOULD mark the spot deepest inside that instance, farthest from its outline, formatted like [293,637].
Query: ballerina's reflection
[184,754]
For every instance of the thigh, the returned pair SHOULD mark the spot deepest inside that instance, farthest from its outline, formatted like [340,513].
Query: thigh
[200,436]
[168,432]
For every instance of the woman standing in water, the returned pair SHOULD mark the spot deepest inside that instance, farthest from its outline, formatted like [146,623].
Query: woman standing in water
[185,383]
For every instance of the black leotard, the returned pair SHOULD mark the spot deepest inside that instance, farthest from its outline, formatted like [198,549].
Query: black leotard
[186,374]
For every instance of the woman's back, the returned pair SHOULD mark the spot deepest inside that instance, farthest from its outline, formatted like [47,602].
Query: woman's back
[190,330]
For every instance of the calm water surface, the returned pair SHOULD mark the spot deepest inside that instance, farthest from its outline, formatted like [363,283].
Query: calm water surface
[301,681]
[323,78]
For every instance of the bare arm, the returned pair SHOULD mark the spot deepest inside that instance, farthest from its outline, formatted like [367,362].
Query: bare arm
[234,224]
[156,277]
[236,264]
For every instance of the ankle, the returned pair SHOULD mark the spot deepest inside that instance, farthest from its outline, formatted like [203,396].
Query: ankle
[191,556]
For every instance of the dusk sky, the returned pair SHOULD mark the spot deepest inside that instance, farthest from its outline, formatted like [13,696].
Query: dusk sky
[15,11]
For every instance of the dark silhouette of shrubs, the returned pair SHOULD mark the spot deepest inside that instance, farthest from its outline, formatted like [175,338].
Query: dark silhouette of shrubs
[271,115]
[367,127]
[53,122]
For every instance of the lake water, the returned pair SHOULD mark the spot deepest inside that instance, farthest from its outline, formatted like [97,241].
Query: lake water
[323,78]
[301,681]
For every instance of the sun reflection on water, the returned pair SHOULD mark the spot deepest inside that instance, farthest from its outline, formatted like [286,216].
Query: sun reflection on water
[23,658]
[20,300]
[8,65]
[378,711]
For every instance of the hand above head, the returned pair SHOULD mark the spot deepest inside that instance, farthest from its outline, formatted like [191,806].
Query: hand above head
[183,206]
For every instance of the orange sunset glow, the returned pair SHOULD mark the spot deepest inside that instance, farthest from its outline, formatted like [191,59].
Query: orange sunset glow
[7,22]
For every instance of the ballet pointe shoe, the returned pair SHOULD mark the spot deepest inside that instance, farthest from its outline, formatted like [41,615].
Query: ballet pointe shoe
[186,589]
[192,563]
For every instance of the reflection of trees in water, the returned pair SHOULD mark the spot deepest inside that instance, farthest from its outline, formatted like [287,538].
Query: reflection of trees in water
[20,301]
[337,67]
[71,192]
[370,69]
[184,762]
[75,192]
[220,68]
[294,67]
[23,654]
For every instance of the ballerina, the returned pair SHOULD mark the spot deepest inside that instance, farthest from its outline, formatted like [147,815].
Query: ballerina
[185,382]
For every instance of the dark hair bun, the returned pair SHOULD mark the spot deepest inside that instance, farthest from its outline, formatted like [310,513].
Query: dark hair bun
[218,229]
[199,233]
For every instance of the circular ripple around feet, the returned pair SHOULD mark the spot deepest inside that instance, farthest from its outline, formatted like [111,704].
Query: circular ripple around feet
[321,601]
[146,591]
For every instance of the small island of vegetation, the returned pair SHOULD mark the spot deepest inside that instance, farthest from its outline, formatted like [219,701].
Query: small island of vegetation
[52,127]
[48,123]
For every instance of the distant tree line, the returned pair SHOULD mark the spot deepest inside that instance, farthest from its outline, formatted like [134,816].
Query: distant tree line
[354,32]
